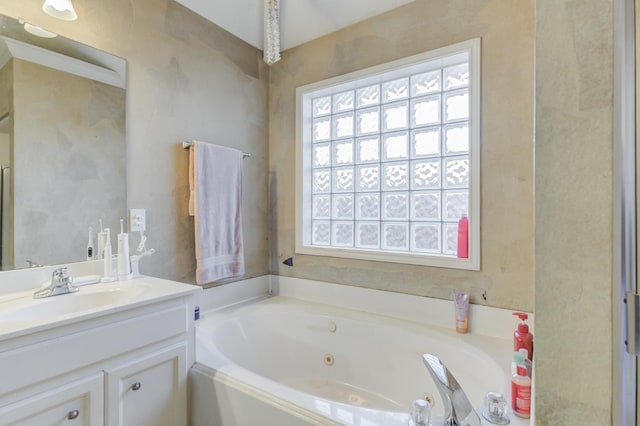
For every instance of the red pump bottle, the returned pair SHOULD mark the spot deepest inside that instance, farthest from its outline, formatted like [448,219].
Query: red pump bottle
[522,339]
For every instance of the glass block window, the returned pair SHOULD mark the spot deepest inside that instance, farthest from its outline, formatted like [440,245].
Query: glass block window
[388,160]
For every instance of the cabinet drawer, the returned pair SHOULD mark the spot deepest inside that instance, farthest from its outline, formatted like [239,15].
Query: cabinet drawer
[149,391]
[79,403]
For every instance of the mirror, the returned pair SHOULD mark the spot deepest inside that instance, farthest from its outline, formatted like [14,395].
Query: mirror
[62,145]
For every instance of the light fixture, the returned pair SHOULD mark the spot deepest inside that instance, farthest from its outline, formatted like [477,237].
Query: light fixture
[37,31]
[61,9]
[271,31]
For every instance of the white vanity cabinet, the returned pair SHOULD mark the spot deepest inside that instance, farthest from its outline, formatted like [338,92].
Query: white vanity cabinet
[78,403]
[150,391]
[126,367]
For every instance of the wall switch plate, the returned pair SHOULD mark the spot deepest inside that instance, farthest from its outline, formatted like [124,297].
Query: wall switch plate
[137,220]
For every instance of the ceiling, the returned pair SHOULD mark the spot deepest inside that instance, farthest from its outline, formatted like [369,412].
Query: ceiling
[300,20]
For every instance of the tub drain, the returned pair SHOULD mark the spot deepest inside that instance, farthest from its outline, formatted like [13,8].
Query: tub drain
[429,398]
[329,359]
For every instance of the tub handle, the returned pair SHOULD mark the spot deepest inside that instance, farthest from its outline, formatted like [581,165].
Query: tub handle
[136,386]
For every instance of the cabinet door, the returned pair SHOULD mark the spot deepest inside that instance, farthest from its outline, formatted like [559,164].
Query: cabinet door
[79,403]
[149,391]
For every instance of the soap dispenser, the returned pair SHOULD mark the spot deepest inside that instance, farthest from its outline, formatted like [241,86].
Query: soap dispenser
[522,339]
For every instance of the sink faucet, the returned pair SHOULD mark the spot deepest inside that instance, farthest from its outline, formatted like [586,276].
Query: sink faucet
[458,411]
[60,284]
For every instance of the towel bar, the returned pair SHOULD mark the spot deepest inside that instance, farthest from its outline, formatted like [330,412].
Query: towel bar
[187,144]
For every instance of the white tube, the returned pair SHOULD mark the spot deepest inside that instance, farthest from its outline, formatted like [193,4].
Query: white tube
[107,275]
[461,301]
[124,266]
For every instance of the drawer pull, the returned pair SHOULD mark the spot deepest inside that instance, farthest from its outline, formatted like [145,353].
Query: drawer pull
[73,414]
[136,386]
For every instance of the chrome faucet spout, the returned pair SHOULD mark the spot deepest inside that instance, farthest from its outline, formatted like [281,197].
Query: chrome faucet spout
[458,411]
[60,284]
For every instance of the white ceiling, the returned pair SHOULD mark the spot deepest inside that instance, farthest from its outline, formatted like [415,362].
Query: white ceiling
[300,20]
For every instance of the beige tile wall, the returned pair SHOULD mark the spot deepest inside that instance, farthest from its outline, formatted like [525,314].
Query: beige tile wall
[506,28]
[573,217]
[6,88]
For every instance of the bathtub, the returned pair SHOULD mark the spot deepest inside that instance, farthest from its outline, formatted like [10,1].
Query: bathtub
[282,361]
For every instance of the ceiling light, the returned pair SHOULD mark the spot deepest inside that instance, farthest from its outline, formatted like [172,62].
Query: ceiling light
[271,49]
[37,31]
[61,9]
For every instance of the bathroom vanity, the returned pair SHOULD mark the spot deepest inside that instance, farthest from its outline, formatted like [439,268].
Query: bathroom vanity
[109,354]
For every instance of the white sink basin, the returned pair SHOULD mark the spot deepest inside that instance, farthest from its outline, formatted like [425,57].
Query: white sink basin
[25,308]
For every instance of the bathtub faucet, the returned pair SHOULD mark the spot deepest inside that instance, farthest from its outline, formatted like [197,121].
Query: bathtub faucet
[458,411]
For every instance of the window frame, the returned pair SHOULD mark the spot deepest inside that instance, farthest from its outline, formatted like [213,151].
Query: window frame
[340,83]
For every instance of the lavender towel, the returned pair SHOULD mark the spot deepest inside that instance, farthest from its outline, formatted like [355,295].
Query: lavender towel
[217,182]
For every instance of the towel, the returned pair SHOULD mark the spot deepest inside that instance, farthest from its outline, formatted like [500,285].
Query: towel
[216,173]
[192,181]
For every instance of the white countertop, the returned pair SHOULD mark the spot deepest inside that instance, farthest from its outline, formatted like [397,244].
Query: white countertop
[135,293]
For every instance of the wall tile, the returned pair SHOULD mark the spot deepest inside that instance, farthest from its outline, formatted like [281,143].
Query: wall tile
[506,29]
[573,213]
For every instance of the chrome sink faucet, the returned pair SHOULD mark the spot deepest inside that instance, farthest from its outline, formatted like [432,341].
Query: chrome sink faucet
[458,411]
[60,284]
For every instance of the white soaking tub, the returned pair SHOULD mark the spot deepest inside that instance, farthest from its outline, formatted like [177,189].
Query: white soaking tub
[282,361]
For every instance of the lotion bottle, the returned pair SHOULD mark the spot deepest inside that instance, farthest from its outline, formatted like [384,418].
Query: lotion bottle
[463,237]
[461,302]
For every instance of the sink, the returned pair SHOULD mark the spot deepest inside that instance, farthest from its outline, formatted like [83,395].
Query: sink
[24,307]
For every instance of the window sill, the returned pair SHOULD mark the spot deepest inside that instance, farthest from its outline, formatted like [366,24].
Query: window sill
[435,260]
